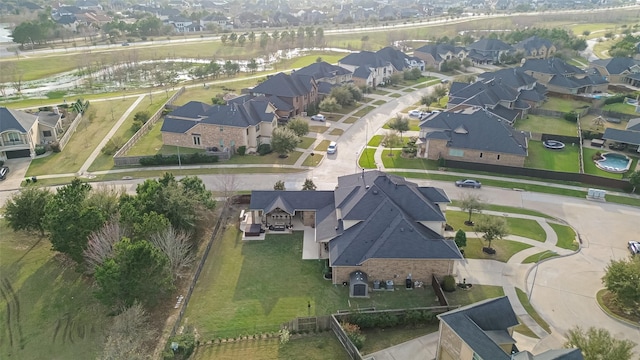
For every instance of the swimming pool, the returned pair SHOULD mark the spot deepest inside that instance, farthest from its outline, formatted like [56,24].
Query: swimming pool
[614,163]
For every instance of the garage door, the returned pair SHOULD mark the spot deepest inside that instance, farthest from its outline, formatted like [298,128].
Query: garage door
[18,154]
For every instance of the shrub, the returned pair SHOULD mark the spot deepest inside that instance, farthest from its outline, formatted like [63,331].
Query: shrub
[55,147]
[264,149]
[571,116]
[242,150]
[186,346]
[196,158]
[442,162]
[40,150]
[365,321]
[110,149]
[354,334]
[614,99]
[449,284]
[596,156]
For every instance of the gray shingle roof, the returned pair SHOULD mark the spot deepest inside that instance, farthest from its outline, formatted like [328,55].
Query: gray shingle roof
[396,57]
[285,85]
[15,120]
[438,51]
[484,132]
[552,66]
[515,78]
[362,72]
[322,70]
[617,65]
[622,136]
[364,58]
[533,43]
[489,45]
[471,323]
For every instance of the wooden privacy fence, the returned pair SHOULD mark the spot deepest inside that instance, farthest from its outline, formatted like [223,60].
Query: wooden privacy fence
[351,349]
[308,324]
[146,127]
[72,128]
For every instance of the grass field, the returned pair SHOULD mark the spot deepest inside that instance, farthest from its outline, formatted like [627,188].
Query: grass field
[366,159]
[47,310]
[243,288]
[398,162]
[563,105]
[505,249]
[509,209]
[517,226]
[591,168]
[566,236]
[565,160]
[88,135]
[621,108]
[475,294]
[547,125]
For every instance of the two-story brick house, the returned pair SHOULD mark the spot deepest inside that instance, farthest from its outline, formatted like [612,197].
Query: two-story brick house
[536,47]
[435,55]
[368,68]
[297,91]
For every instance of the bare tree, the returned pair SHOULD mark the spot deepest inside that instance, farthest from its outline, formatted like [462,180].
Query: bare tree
[101,243]
[127,335]
[227,185]
[177,245]
[471,203]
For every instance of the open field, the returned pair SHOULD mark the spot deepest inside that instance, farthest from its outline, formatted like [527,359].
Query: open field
[564,160]
[47,310]
[547,125]
[243,288]
[96,123]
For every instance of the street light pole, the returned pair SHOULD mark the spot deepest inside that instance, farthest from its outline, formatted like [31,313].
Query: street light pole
[536,273]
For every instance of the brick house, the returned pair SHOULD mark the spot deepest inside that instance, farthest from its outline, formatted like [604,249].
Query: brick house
[201,126]
[373,222]
[473,136]
[21,132]
[620,70]
[435,55]
[487,51]
[484,330]
[368,68]
[563,78]
[297,91]
[536,48]
[327,76]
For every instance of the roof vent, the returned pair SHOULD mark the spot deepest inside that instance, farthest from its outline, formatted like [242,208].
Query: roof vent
[367,187]
[411,229]
[375,192]
[401,229]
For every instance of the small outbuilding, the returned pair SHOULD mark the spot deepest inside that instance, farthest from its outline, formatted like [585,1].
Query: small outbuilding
[358,285]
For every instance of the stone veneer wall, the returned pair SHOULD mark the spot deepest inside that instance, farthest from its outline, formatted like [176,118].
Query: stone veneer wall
[437,148]
[387,269]
[210,135]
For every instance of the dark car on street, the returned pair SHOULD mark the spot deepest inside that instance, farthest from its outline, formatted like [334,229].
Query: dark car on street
[469,183]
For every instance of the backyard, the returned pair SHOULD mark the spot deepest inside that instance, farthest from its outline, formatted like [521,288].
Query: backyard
[547,125]
[564,160]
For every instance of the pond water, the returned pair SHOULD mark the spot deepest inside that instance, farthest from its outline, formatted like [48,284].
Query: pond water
[5,34]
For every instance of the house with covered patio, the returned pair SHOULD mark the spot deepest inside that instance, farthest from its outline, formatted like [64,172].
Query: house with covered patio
[373,226]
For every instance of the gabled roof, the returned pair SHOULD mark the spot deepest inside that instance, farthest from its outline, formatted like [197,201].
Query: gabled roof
[617,65]
[515,78]
[246,114]
[483,93]
[622,136]
[552,66]
[479,324]
[362,72]
[439,51]
[484,132]
[486,44]
[633,124]
[364,58]
[397,58]
[533,43]
[322,70]
[285,85]
[16,120]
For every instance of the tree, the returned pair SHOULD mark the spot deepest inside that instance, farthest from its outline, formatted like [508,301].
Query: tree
[284,141]
[224,38]
[231,68]
[252,37]
[440,91]
[70,221]
[634,180]
[299,126]
[227,185]
[391,141]
[329,104]
[127,334]
[427,100]
[233,38]
[471,203]
[25,211]
[279,185]
[598,344]
[342,95]
[138,272]
[492,227]
[101,243]
[622,278]
[308,185]
[252,65]
[399,124]
[394,79]
[356,93]
[177,246]
[241,40]
[461,238]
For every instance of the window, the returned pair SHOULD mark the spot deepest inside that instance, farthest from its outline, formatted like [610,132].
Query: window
[46,133]
[258,127]
[498,156]
[221,129]
[13,136]
[233,143]
[196,139]
[456,152]
[480,154]
[221,143]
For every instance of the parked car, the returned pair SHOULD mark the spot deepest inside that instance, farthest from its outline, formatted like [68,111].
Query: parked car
[318,117]
[469,183]
[4,170]
[634,247]
[125,44]
[415,113]
[333,147]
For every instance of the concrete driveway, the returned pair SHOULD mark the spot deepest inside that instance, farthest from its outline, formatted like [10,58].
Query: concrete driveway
[17,170]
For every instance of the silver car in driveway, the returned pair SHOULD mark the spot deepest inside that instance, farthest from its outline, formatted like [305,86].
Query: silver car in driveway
[318,117]
[469,183]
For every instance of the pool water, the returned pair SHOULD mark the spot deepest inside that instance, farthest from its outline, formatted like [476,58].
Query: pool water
[614,163]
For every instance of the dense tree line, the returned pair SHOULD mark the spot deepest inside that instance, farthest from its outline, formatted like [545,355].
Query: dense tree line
[135,246]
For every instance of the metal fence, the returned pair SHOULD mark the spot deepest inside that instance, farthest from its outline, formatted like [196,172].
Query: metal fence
[146,127]
[72,128]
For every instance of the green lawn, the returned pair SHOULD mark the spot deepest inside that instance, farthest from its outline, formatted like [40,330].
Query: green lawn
[473,295]
[566,236]
[51,311]
[366,160]
[312,160]
[395,95]
[621,108]
[591,168]
[350,120]
[318,129]
[243,288]
[547,125]
[323,145]
[323,346]
[150,143]
[95,124]
[398,162]
[539,257]
[375,140]
[508,209]
[379,339]
[379,91]
[505,249]
[524,300]
[336,132]
[306,142]
[565,160]
[517,226]
[563,105]
[379,102]
[364,111]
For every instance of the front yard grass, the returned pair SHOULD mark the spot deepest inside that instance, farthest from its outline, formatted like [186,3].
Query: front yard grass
[318,129]
[379,102]
[272,158]
[364,111]
[539,257]
[517,226]
[95,124]
[505,249]
[255,286]
[399,162]
[323,145]
[366,160]
[564,160]
[323,346]
[350,120]
[395,95]
[336,132]
[306,142]
[547,125]
[312,160]
[375,140]
[509,209]
[524,300]
[566,236]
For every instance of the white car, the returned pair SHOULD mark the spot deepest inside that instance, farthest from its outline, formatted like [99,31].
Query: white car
[333,147]
[415,113]
[318,117]
[634,247]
